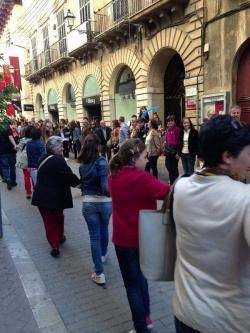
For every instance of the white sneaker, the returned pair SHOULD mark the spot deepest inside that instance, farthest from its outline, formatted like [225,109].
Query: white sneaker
[133,331]
[104,258]
[98,279]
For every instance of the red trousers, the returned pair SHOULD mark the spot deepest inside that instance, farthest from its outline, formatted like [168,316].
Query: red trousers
[27,182]
[54,225]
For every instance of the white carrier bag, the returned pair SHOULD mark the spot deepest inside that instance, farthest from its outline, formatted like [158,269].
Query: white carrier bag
[157,241]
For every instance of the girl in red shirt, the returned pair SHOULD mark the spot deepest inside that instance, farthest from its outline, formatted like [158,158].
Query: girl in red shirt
[132,189]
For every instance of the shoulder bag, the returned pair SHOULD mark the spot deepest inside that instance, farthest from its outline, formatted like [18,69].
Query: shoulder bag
[157,241]
[22,159]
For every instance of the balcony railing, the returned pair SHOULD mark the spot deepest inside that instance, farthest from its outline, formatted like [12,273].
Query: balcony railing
[81,36]
[118,10]
[53,53]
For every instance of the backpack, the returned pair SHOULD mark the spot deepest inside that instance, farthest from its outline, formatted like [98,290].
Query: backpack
[22,159]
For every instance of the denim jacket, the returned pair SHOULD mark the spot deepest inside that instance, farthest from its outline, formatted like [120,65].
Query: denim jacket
[35,149]
[94,177]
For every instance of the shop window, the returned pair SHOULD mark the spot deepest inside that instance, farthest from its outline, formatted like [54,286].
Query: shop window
[126,83]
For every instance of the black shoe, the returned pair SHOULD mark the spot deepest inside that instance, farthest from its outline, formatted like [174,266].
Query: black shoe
[55,253]
[28,197]
[14,184]
[63,240]
[9,186]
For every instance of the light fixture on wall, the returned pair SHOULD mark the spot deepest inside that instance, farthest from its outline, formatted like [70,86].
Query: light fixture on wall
[69,18]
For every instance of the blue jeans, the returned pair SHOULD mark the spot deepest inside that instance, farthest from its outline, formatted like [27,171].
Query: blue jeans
[136,286]
[182,328]
[8,163]
[188,162]
[97,215]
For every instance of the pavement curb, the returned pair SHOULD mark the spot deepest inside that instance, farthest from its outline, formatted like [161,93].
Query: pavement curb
[44,310]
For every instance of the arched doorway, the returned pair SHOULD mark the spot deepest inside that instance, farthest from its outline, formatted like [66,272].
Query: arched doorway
[166,84]
[92,98]
[174,90]
[69,102]
[53,105]
[39,107]
[125,102]
[243,82]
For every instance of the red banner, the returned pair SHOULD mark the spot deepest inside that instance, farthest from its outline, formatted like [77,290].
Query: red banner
[14,61]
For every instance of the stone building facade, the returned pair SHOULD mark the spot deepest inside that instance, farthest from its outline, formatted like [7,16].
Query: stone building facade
[113,57]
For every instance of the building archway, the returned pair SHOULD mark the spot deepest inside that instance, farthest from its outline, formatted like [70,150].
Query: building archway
[92,98]
[242,87]
[39,107]
[125,101]
[166,79]
[69,102]
[53,105]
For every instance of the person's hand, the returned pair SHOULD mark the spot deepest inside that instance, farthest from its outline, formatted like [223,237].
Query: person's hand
[177,156]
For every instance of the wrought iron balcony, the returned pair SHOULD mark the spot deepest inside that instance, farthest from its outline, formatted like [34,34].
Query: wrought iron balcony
[117,11]
[47,59]
[81,39]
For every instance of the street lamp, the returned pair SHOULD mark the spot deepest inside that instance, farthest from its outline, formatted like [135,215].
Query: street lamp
[70,19]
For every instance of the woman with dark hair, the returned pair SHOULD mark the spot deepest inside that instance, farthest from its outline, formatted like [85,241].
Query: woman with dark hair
[171,147]
[133,189]
[96,202]
[189,144]
[212,217]
[76,133]
[35,149]
[153,146]
[114,139]
[65,135]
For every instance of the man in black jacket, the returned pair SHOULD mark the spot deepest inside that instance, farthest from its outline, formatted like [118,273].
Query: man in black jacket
[104,134]
[8,156]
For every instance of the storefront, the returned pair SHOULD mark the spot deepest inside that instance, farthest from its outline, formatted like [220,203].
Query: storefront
[125,102]
[92,98]
[53,105]
[69,102]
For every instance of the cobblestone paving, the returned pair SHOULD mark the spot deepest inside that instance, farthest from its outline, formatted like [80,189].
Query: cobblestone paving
[83,306]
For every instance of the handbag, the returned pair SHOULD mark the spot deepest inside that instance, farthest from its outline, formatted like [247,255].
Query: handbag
[170,150]
[22,159]
[157,241]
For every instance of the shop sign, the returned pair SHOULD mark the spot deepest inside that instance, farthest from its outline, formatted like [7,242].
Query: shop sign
[53,108]
[191,103]
[214,104]
[92,100]
[28,107]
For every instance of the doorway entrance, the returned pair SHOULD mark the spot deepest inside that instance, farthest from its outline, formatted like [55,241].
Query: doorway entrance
[243,84]
[174,90]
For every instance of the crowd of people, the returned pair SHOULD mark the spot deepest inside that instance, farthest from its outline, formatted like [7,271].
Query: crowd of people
[211,207]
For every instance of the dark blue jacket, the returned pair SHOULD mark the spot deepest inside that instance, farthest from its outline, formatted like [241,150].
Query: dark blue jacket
[94,177]
[35,149]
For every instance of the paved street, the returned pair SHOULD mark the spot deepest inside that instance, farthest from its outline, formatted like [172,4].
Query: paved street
[78,305]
